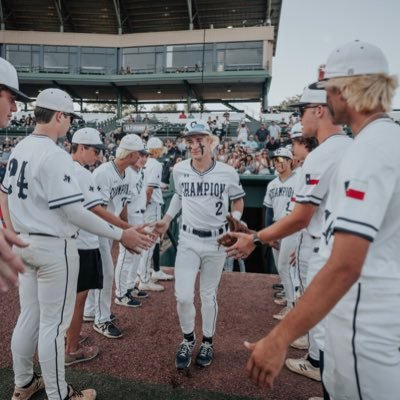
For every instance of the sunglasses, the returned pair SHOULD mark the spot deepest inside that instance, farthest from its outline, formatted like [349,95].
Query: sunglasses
[302,109]
[280,159]
[71,117]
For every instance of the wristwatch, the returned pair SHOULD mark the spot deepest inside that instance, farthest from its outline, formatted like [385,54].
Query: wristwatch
[256,240]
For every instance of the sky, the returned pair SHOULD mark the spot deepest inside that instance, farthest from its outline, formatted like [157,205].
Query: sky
[310,29]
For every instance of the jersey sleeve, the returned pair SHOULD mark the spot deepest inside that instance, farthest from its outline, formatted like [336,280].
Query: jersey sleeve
[267,198]
[154,178]
[367,191]
[235,189]
[176,175]
[101,179]
[61,187]
[313,183]
[91,192]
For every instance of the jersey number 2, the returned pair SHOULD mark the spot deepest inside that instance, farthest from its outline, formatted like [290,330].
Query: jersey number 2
[21,183]
[219,208]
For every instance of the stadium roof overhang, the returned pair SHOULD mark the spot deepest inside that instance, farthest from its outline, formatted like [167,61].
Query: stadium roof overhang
[125,16]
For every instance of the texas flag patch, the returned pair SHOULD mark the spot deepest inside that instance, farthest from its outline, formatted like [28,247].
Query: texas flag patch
[312,179]
[356,189]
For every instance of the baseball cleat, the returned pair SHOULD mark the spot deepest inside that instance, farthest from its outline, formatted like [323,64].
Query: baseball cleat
[301,343]
[281,302]
[303,367]
[139,294]
[108,329]
[22,393]
[87,394]
[184,354]
[277,286]
[205,354]
[84,353]
[280,294]
[161,276]
[282,314]
[127,301]
[150,287]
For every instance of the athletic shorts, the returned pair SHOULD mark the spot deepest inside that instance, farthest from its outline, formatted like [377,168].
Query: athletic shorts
[90,270]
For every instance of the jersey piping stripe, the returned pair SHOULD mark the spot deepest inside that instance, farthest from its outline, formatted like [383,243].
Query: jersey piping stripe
[237,196]
[65,197]
[316,197]
[4,189]
[62,316]
[353,341]
[298,262]
[355,233]
[93,203]
[123,266]
[352,221]
[206,171]
[154,185]
[117,171]
[65,204]
[300,196]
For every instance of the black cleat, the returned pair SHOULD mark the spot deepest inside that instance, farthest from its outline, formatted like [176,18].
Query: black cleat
[205,355]
[184,354]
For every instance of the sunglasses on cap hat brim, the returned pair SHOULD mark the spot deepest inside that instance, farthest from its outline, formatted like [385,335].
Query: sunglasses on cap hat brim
[280,159]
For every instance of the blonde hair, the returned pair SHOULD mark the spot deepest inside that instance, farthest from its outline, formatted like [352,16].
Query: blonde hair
[157,153]
[121,153]
[365,93]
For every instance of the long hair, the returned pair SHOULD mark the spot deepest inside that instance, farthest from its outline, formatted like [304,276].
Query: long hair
[121,153]
[365,93]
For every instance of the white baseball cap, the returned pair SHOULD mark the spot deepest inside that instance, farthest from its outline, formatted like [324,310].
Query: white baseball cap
[89,137]
[283,152]
[132,142]
[197,127]
[352,59]
[56,100]
[296,131]
[9,79]
[154,143]
[311,96]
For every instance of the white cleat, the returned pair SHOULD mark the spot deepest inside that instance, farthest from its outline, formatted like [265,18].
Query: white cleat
[151,287]
[282,314]
[301,343]
[161,276]
[303,367]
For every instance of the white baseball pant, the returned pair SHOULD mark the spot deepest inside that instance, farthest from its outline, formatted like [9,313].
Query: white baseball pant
[152,214]
[47,294]
[362,356]
[127,264]
[98,302]
[288,277]
[198,254]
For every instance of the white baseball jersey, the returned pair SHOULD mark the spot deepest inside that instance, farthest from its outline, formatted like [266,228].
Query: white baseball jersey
[279,195]
[365,199]
[92,196]
[292,202]
[39,180]
[152,173]
[115,188]
[316,175]
[138,199]
[206,195]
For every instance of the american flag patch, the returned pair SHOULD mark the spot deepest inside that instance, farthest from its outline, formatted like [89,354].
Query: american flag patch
[312,179]
[356,189]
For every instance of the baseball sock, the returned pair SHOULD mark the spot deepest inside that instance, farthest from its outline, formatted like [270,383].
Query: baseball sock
[207,339]
[189,337]
[314,363]
[156,257]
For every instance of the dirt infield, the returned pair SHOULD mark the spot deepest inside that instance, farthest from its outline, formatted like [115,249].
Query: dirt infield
[141,364]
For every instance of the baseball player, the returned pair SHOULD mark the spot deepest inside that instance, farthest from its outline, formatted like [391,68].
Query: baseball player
[358,286]
[311,195]
[128,263]
[278,197]
[204,188]
[10,263]
[43,201]
[152,176]
[115,180]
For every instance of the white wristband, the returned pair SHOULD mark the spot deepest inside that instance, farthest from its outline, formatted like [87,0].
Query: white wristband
[237,215]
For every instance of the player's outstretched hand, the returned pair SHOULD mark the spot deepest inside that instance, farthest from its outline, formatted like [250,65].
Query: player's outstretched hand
[243,246]
[266,359]
[10,263]
[133,239]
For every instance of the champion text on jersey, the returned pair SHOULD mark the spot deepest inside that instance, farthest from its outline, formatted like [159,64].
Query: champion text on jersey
[356,189]
[193,189]
[284,191]
[121,189]
[312,179]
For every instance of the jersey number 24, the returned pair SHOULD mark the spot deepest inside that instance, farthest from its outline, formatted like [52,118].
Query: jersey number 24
[21,183]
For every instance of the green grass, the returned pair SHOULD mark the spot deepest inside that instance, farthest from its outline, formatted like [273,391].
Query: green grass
[113,388]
